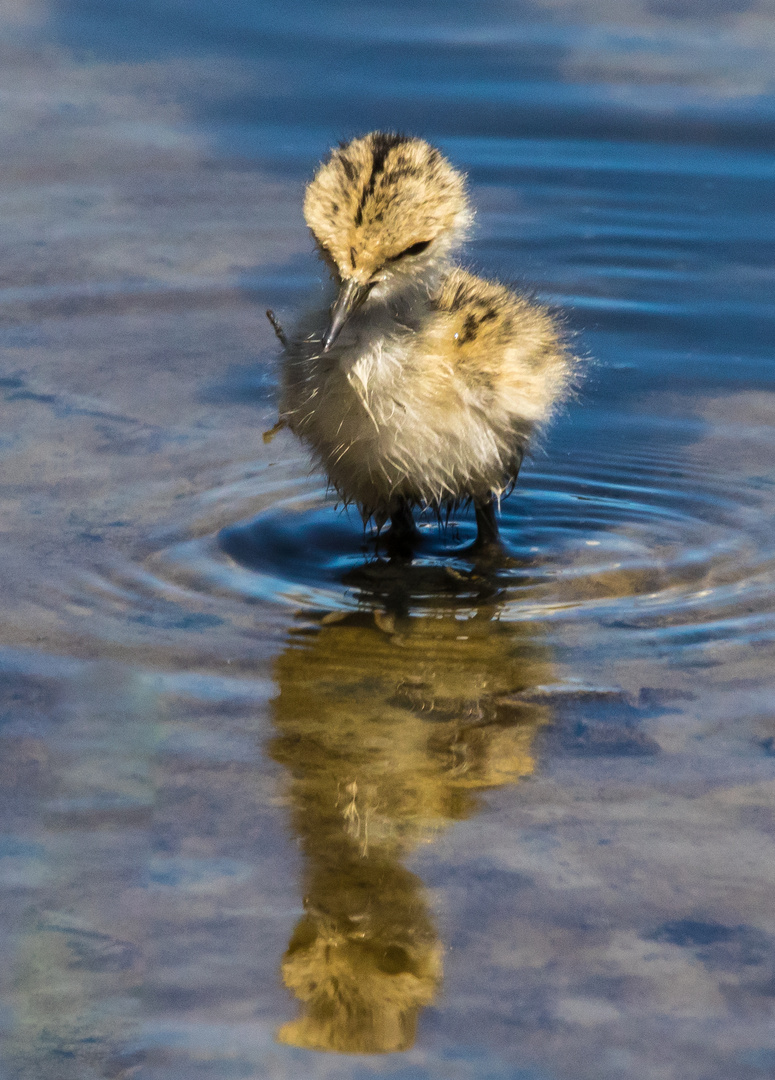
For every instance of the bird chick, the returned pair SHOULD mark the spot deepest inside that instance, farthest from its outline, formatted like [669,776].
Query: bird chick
[422,384]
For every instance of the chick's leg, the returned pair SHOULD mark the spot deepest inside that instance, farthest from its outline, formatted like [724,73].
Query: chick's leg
[402,526]
[488,538]
[486,524]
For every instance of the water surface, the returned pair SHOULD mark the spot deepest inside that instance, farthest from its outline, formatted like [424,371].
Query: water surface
[272,804]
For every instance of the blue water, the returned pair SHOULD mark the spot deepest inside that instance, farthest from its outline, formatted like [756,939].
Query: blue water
[271,804]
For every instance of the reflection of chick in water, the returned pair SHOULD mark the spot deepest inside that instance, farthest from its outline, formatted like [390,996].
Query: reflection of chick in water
[387,734]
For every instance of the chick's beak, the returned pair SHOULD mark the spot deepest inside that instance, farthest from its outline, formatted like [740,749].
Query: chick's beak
[351,296]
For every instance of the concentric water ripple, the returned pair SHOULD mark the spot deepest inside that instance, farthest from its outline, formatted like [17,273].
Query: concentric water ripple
[639,539]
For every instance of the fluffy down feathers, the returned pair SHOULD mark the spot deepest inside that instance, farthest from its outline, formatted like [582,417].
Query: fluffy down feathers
[431,391]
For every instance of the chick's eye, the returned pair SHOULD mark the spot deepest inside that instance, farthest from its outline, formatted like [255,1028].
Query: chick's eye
[415,249]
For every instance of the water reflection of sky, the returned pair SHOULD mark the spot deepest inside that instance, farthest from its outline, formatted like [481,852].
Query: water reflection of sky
[563,776]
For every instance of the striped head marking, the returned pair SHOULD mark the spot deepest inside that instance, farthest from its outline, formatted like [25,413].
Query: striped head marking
[383,201]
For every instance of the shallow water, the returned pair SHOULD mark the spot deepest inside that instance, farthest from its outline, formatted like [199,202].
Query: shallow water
[266,794]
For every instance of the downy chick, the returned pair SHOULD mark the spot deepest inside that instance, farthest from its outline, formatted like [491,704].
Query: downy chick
[422,384]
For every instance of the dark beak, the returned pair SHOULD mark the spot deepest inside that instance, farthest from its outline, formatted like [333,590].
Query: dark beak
[351,296]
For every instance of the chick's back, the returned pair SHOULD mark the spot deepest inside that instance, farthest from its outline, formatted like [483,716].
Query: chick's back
[505,352]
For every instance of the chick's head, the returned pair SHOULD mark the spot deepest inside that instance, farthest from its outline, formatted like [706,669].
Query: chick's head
[385,206]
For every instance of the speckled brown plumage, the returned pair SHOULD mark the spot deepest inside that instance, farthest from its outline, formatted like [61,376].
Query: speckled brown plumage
[429,381]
